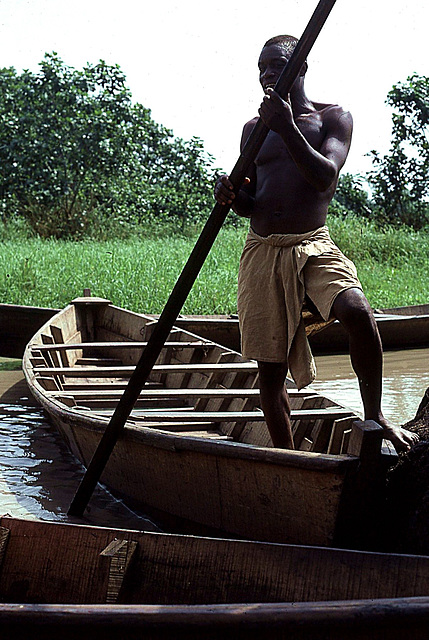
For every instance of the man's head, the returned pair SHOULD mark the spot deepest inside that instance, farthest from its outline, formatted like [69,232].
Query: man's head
[275,54]
[288,43]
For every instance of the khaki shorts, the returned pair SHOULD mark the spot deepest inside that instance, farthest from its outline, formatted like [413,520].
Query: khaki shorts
[276,273]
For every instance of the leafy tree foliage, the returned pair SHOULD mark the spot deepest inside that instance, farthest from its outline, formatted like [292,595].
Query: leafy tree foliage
[77,154]
[351,197]
[400,179]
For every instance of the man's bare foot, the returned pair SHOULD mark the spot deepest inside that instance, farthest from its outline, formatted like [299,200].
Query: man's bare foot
[402,439]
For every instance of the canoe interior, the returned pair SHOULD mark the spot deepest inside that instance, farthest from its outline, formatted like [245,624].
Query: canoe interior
[196,445]
[85,359]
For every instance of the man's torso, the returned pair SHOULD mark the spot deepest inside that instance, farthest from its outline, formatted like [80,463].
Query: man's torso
[284,201]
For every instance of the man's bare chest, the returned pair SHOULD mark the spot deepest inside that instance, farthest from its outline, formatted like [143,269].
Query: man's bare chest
[275,148]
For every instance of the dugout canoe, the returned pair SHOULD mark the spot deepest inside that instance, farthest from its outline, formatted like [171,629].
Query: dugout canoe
[18,324]
[400,328]
[68,581]
[196,451]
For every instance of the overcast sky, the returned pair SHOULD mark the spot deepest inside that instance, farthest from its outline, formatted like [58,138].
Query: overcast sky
[194,64]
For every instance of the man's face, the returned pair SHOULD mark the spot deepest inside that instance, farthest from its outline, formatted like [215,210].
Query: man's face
[271,63]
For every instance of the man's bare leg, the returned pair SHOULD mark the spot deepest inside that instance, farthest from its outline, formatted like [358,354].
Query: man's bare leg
[275,403]
[352,309]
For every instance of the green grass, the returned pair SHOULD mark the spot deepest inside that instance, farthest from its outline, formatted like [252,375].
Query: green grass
[137,274]
[393,264]
[140,273]
[10,364]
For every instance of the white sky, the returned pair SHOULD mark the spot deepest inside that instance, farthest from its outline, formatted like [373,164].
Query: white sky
[194,63]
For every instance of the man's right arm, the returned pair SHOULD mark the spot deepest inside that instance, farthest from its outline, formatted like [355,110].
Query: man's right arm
[244,201]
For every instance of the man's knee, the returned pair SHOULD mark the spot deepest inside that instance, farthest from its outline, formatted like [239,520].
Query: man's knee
[352,309]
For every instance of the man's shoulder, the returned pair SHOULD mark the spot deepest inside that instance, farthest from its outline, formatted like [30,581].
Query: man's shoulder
[332,112]
[250,124]
[247,129]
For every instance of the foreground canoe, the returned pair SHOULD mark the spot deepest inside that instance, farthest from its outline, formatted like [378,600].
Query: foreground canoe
[68,581]
[196,446]
[400,328]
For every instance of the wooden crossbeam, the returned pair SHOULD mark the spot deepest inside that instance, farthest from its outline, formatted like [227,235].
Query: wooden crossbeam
[96,386]
[113,391]
[126,371]
[176,344]
[182,415]
[162,394]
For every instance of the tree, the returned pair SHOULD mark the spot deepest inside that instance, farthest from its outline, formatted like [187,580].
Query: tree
[352,197]
[400,179]
[76,152]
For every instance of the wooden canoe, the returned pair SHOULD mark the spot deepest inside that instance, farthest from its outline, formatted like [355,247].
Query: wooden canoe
[400,328]
[18,324]
[196,446]
[68,581]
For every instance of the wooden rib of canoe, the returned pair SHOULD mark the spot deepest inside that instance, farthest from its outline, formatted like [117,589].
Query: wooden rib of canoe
[75,581]
[196,446]
[400,328]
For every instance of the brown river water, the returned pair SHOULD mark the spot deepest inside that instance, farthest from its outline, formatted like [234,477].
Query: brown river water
[405,379]
[39,476]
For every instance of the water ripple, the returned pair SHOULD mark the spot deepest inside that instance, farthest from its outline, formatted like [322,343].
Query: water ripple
[39,476]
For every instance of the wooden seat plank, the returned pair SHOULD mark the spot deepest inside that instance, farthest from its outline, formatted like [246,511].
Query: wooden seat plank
[166,393]
[126,371]
[228,416]
[114,389]
[175,344]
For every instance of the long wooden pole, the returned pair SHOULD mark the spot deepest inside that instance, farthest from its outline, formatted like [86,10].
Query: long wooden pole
[192,268]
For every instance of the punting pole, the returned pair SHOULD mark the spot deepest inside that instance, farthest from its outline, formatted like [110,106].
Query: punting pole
[191,270]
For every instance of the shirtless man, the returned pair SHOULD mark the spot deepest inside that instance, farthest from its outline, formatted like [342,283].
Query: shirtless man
[286,197]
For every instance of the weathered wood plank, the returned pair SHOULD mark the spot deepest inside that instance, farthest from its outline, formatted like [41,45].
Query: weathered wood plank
[58,337]
[93,387]
[339,427]
[227,416]
[167,393]
[119,555]
[126,371]
[355,620]
[174,344]
[189,570]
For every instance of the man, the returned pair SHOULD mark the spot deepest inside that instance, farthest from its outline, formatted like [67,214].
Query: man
[289,255]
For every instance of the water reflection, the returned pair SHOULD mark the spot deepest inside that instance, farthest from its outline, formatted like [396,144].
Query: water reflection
[39,476]
[406,378]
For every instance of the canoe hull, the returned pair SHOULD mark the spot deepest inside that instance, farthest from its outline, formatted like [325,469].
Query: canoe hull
[354,620]
[91,582]
[221,487]
[221,474]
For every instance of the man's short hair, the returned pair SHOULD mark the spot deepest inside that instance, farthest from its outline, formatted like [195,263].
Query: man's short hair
[288,42]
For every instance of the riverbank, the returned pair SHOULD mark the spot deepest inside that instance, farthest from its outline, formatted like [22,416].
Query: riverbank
[140,273]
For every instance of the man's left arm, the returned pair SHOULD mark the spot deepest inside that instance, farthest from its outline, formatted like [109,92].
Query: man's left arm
[336,144]
[319,167]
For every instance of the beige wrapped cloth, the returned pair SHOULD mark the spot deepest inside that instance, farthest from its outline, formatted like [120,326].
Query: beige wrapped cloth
[276,273]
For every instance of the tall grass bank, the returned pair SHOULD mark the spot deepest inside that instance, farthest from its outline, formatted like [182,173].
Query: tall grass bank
[140,273]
